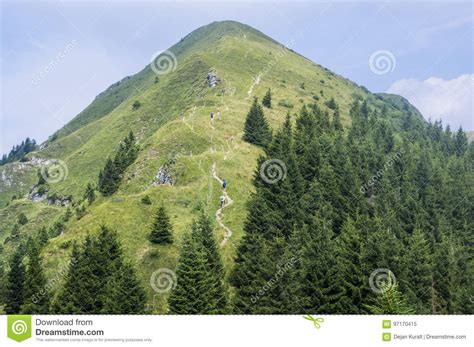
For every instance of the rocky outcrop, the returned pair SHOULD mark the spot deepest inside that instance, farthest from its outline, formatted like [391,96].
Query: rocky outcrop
[37,197]
[163,176]
[212,79]
[39,161]
[11,170]
[61,201]
[41,195]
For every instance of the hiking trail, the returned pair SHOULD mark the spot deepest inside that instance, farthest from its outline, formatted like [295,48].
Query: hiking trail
[229,201]
[256,80]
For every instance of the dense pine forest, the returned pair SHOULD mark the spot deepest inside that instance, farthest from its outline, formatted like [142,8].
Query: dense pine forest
[333,209]
[355,203]
[19,151]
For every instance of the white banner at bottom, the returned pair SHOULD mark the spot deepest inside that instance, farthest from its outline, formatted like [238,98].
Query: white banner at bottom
[229,331]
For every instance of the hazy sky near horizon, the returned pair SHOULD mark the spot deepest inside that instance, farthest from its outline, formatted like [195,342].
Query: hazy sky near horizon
[57,56]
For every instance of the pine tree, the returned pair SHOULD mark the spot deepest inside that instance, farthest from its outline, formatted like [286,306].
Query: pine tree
[390,301]
[43,236]
[460,142]
[161,231]
[256,130]
[252,271]
[81,287]
[15,232]
[331,103]
[292,300]
[419,273]
[324,122]
[41,179]
[267,99]
[69,300]
[124,293]
[382,250]
[443,272]
[108,180]
[18,152]
[146,200]
[350,267]
[89,193]
[336,121]
[37,297]
[254,265]
[15,295]
[22,219]
[111,176]
[317,260]
[189,296]
[136,105]
[130,150]
[205,236]
[310,147]
[87,288]
[199,271]
[285,194]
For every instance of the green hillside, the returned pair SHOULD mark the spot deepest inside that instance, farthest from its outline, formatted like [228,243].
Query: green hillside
[172,126]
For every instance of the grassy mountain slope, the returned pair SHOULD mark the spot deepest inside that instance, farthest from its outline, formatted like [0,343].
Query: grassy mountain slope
[173,121]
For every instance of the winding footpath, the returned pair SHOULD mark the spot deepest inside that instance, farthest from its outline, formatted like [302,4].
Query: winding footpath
[229,201]
[256,80]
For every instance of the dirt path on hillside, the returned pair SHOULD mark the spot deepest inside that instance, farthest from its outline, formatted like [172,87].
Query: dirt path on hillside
[229,201]
[256,80]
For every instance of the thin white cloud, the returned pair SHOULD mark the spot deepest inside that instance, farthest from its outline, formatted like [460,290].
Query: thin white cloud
[436,98]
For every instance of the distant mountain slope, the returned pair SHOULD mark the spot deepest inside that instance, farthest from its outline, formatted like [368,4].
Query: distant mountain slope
[103,104]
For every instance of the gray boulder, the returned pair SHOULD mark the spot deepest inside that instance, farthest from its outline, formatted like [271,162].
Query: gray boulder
[212,79]
[163,176]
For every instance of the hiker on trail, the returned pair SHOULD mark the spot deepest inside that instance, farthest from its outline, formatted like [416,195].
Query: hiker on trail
[222,201]
[212,117]
[224,184]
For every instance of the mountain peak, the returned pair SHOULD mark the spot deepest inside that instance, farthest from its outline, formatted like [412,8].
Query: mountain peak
[210,33]
[227,27]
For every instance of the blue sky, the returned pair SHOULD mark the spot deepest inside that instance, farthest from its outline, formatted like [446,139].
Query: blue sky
[57,56]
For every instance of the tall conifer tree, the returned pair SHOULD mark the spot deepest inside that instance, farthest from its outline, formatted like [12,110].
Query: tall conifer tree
[161,230]
[15,296]
[37,297]
[256,130]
